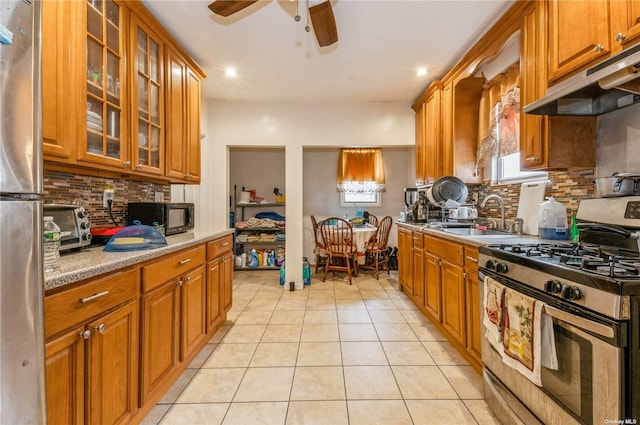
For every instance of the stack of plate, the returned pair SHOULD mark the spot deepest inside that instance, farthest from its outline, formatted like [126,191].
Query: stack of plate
[94,121]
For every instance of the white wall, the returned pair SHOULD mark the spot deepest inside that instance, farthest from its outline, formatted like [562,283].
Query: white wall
[293,126]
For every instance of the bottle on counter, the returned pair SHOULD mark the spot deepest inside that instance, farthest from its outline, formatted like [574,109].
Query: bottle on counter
[51,245]
[575,232]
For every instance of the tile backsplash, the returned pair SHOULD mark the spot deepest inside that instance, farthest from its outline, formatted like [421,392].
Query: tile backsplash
[65,188]
[567,187]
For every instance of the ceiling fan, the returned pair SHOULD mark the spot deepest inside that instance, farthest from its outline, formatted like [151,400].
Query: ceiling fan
[321,14]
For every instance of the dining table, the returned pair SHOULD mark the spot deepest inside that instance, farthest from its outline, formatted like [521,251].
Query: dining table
[361,236]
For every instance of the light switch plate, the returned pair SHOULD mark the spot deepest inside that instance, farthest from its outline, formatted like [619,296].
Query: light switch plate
[159,197]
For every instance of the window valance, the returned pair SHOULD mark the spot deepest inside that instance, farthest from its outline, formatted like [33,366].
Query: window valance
[360,169]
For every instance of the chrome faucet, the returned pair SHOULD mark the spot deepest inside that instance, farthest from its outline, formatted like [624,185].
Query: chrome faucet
[503,225]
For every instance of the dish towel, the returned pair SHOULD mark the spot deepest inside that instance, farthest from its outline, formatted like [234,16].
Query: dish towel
[525,329]
[493,302]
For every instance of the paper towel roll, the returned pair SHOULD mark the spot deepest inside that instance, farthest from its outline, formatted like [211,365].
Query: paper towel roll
[245,198]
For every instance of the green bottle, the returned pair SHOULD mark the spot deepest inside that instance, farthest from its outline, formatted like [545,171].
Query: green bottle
[575,232]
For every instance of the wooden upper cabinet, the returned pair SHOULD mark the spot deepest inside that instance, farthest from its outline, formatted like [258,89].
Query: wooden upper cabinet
[420,114]
[103,126]
[183,120]
[446,113]
[579,34]
[460,116]
[625,23]
[433,135]
[57,93]
[147,100]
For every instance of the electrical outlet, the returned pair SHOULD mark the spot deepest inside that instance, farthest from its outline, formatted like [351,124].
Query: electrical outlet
[159,197]
[107,196]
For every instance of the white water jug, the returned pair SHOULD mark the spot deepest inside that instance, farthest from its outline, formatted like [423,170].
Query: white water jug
[552,220]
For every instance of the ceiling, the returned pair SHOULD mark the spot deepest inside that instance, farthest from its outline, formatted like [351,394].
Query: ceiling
[381,44]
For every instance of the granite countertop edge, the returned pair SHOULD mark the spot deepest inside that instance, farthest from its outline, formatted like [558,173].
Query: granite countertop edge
[94,261]
[471,240]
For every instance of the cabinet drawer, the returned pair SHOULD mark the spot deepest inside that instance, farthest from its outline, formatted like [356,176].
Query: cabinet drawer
[161,271]
[74,306]
[446,250]
[471,259]
[219,246]
[417,239]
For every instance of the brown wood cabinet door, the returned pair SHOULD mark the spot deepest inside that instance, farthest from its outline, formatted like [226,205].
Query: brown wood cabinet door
[453,301]
[448,166]
[533,84]
[113,367]
[405,263]
[160,336]
[176,111]
[418,276]
[227,282]
[433,138]
[474,315]
[147,99]
[579,34]
[64,371]
[432,300]
[420,171]
[58,116]
[214,293]
[193,312]
[192,142]
[625,23]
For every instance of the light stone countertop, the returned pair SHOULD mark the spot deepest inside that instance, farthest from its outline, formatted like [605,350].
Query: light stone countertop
[474,240]
[94,261]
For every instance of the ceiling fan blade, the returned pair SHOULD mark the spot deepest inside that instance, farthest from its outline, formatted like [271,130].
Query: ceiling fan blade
[229,7]
[324,23]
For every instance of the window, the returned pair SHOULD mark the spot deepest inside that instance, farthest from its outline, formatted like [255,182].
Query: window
[368,199]
[507,170]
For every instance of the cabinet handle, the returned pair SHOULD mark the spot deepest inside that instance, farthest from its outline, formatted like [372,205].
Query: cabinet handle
[126,163]
[101,328]
[180,282]
[533,159]
[473,260]
[93,297]
[225,244]
[213,268]
[86,334]
[598,48]
[185,261]
[620,37]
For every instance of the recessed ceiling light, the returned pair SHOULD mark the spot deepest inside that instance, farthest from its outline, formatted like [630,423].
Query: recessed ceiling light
[231,72]
[421,71]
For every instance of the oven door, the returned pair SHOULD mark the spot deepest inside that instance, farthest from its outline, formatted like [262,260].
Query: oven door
[587,387]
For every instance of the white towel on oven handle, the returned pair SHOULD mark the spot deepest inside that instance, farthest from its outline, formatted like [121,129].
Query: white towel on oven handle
[548,355]
[493,331]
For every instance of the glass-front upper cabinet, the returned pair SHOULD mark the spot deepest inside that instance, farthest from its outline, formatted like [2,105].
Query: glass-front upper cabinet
[147,99]
[104,140]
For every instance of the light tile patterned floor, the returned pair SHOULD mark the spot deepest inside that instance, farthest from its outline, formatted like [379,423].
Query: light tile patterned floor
[329,354]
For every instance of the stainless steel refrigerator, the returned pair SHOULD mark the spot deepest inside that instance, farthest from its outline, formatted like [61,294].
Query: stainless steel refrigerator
[22,394]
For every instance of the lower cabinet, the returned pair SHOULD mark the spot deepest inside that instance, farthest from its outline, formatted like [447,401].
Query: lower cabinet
[91,368]
[405,260]
[219,281]
[448,290]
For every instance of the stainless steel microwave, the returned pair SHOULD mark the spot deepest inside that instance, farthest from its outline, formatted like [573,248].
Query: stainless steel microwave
[175,217]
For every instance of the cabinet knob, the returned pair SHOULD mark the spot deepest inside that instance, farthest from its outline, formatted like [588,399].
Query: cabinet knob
[180,282]
[188,278]
[126,163]
[620,37]
[139,166]
[101,328]
[598,48]
[86,334]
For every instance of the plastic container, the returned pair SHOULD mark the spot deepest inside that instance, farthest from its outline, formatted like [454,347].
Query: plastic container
[253,261]
[306,271]
[136,238]
[51,245]
[552,220]
[282,274]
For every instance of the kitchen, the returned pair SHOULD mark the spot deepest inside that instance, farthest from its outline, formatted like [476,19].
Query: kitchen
[233,121]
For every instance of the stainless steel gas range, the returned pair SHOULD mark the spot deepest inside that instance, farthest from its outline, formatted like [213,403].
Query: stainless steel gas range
[590,292]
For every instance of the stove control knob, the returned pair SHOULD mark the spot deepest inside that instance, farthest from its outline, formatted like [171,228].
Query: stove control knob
[82,214]
[553,286]
[571,293]
[502,268]
[490,264]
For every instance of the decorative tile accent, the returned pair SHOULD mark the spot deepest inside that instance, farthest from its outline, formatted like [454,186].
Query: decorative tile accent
[63,188]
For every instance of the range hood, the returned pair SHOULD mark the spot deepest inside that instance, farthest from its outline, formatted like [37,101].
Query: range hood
[608,86]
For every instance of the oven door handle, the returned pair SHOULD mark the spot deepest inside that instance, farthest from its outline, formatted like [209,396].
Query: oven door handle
[580,322]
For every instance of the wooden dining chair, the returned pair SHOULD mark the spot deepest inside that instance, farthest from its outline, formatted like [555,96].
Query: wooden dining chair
[342,255]
[376,255]
[319,248]
[373,220]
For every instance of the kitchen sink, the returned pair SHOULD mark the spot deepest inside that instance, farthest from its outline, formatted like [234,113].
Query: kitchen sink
[470,231]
